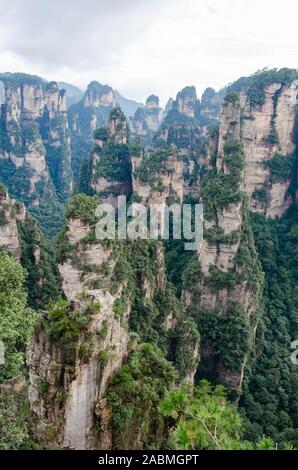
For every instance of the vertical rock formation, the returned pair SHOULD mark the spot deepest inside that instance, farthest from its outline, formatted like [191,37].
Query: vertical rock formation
[10,211]
[118,127]
[187,103]
[56,139]
[34,144]
[88,114]
[107,172]
[96,96]
[147,120]
[211,102]
[268,139]
[227,218]
[81,342]
[228,287]
[182,123]
[74,94]
[158,177]
[186,126]
[168,106]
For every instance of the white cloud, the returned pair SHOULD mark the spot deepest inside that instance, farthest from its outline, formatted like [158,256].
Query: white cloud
[142,47]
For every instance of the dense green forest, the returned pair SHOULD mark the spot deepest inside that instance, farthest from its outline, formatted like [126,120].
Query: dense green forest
[270,399]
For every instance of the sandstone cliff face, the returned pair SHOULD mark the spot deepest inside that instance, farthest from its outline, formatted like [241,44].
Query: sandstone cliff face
[268,130]
[34,144]
[223,286]
[267,134]
[10,212]
[211,104]
[74,374]
[118,127]
[228,220]
[98,95]
[187,102]
[90,113]
[158,177]
[185,126]
[110,161]
[185,109]
[146,121]
[75,387]
[56,139]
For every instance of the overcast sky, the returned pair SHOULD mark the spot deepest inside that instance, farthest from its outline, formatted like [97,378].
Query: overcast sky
[147,46]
